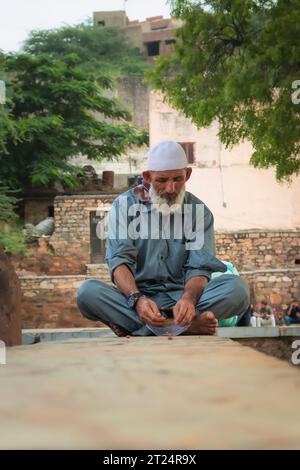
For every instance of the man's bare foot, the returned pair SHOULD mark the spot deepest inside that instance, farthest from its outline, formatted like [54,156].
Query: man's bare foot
[118,330]
[205,324]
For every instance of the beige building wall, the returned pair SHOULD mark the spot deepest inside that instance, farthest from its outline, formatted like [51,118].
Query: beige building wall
[112,19]
[240,196]
[134,34]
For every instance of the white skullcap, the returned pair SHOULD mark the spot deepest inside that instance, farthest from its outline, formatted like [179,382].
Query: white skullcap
[167,155]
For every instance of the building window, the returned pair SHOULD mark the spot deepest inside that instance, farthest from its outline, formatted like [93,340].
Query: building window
[97,243]
[101,23]
[153,48]
[158,27]
[188,147]
[170,41]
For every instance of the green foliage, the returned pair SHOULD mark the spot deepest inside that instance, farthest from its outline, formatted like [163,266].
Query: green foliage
[59,111]
[7,206]
[235,61]
[11,236]
[6,123]
[60,104]
[105,50]
[12,240]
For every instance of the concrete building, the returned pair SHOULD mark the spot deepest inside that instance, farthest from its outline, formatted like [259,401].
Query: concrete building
[240,196]
[155,36]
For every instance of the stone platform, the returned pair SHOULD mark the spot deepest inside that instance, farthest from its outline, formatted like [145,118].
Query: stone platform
[147,393]
[58,334]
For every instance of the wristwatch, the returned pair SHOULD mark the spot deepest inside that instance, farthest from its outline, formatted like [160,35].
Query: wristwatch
[133,298]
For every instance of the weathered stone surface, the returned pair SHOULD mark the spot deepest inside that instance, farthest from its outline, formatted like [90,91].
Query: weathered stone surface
[10,298]
[147,393]
[35,335]
[250,332]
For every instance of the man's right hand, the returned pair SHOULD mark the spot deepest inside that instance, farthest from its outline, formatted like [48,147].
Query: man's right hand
[148,312]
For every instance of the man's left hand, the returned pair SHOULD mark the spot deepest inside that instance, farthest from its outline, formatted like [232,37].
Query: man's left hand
[184,312]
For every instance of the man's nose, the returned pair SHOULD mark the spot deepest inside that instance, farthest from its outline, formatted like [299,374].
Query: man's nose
[170,188]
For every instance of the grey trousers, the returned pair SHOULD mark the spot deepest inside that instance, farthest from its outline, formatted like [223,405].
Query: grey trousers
[225,296]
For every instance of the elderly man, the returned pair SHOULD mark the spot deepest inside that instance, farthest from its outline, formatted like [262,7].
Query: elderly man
[169,265]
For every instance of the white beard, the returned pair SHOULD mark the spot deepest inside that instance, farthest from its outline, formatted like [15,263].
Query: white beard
[162,205]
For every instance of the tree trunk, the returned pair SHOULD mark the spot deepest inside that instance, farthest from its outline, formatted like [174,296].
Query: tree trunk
[10,303]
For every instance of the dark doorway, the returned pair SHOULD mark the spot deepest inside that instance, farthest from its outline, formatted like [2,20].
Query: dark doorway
[50,211]
[153,48]
[97,243]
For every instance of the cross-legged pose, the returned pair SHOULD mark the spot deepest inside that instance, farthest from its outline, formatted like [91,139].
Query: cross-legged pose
[161,254]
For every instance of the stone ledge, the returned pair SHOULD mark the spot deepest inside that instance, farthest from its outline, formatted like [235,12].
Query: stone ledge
[32,336]
[291,330]
[262,332]
[249,332]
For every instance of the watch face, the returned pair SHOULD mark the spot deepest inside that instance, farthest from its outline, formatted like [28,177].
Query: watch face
[132,299]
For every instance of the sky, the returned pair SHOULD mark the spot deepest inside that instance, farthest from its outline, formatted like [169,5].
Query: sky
[19,17]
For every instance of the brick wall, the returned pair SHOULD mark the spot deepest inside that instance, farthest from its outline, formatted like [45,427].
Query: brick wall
[278,287]
[72,224]
[265,259]
[257,249]
[50,302]
[41,259]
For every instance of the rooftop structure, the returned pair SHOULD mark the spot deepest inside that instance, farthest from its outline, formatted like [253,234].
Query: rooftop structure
[154,36]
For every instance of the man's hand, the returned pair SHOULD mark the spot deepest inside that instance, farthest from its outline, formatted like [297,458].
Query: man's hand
[184,311]
[148,312]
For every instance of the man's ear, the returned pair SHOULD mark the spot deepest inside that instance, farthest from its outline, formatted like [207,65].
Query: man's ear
[188,173]
[147,176]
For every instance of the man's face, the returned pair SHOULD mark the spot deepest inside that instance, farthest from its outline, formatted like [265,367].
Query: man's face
[168,184]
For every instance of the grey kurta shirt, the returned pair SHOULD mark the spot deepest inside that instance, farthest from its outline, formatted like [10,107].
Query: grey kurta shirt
[162,265]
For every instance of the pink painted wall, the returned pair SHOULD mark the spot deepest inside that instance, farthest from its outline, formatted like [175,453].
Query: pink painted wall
[240,196]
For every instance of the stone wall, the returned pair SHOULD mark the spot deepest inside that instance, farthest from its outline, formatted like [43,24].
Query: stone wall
[247,249]
[50,302]
[41,259]
[279,287]
[72,224]
[257,249]
[267,259]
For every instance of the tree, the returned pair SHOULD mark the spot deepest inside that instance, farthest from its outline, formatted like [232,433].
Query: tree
[237,61]
[59,110]
[6,122]
[98,48]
